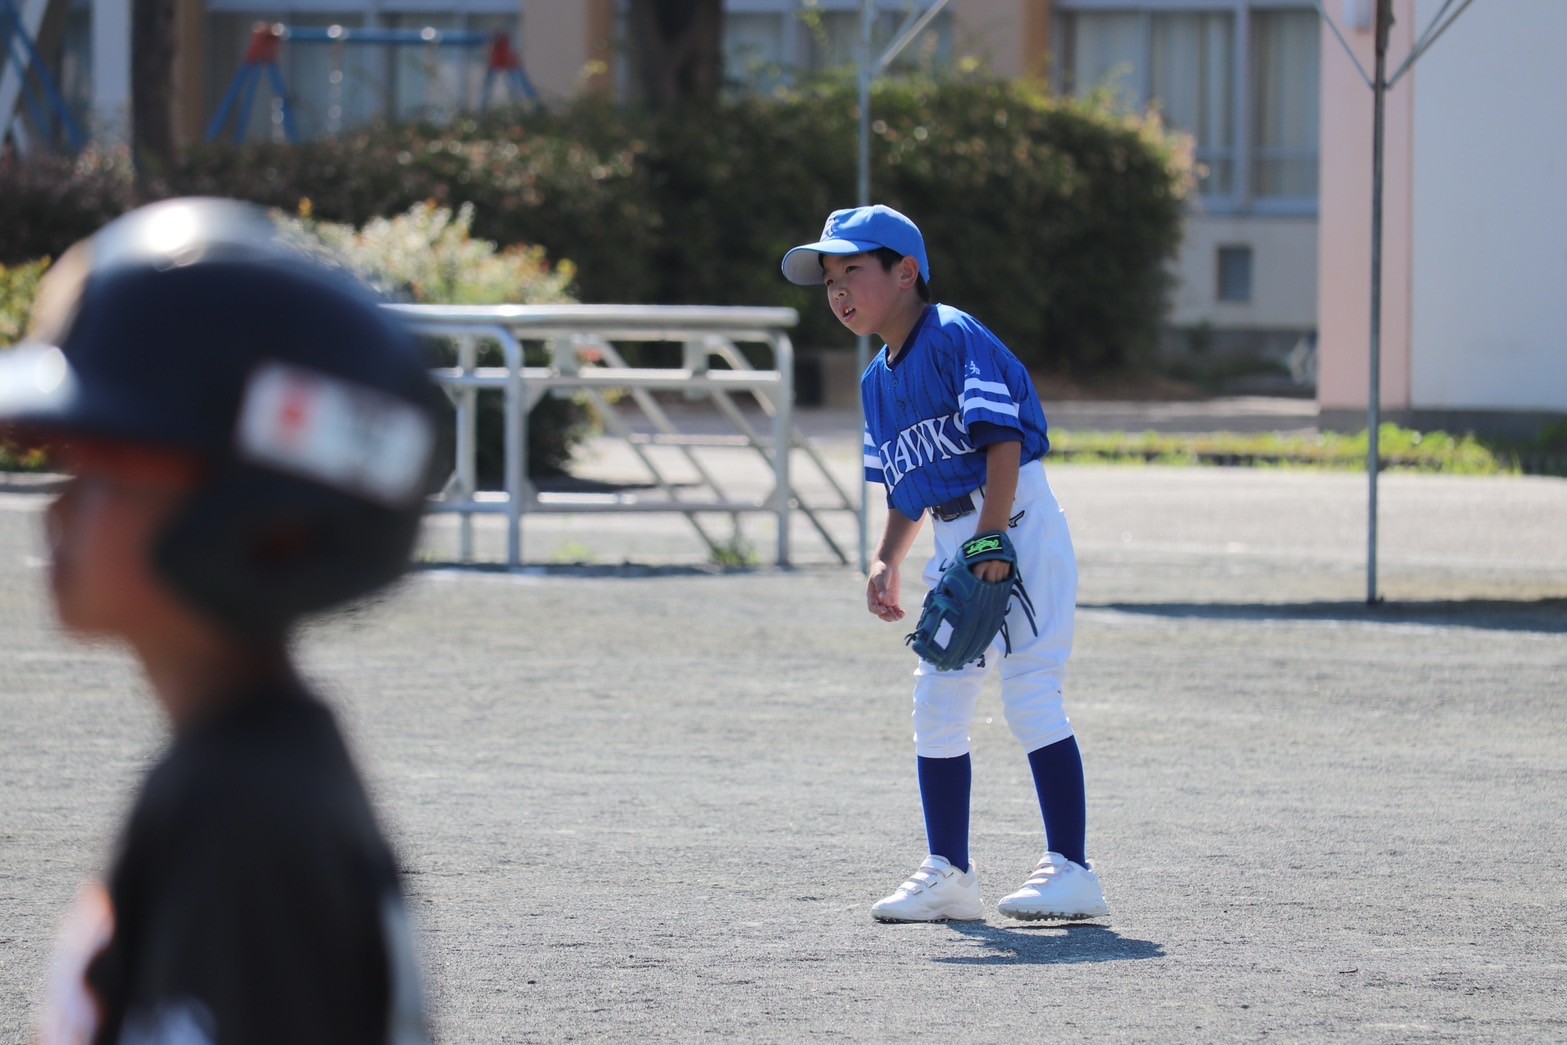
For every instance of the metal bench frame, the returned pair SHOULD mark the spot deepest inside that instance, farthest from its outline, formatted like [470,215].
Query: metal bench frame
[566,333]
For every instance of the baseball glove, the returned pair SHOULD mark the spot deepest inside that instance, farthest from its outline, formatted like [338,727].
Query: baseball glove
[962,613]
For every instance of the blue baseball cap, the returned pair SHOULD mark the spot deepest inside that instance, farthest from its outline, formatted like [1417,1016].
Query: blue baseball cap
[856,230]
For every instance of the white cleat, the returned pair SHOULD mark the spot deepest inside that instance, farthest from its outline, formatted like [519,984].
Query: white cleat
[935,893]
[1058,889]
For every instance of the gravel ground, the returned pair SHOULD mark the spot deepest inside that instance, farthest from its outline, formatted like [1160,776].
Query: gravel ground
[656,803]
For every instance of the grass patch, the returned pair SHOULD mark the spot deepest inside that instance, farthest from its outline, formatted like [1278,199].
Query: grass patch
[1399,449]
[18,459]
[735,553]
[574,553]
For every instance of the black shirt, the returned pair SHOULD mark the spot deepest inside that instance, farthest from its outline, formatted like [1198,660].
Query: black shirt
[253,896]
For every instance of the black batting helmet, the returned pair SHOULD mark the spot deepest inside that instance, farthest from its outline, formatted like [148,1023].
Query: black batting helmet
[189,325]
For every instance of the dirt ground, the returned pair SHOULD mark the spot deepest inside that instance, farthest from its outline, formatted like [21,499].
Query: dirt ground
[656,802]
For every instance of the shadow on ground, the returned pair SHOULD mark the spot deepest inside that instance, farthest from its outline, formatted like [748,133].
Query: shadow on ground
[1049,945]
[1542,615]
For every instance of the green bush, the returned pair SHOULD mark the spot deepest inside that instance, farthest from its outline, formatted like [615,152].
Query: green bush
[429,255]
[1050,219]
[571,183]
[48,203]
[18,285]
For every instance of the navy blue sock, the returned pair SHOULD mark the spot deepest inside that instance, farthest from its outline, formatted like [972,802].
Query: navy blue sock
[944,792]
[1058,777]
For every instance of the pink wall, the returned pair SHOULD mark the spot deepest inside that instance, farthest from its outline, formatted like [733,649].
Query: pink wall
[1344,257]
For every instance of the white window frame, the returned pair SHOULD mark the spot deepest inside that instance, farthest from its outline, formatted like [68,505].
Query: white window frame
[1241,200]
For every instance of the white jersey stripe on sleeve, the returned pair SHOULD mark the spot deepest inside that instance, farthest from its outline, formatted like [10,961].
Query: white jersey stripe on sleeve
[873,462]
[977,402]
[987,386]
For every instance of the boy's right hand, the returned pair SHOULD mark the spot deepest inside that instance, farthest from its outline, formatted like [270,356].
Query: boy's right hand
[881,592]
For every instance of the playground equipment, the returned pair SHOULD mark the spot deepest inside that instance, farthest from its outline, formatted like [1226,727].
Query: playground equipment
[25,80]
[263,54]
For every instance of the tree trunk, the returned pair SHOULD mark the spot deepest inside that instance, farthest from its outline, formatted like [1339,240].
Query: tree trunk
[677,50]
[152,84]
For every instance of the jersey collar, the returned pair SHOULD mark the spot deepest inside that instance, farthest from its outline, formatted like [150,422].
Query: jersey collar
[911,341]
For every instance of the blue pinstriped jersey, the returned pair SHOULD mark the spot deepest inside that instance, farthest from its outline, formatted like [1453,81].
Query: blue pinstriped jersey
[921,411]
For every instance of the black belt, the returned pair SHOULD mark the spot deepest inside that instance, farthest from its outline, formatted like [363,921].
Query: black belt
[956,508]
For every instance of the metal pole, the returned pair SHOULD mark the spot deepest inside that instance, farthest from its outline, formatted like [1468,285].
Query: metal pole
[870,69]
[862,344]
[866,75]
[783,437]
[1379,88]
[518,404]
[1374,396]
[467,400]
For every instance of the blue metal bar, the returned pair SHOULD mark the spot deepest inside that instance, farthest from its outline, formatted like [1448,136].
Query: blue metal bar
[34,65]
[524,85]
[73,130]
[517,86]
[341,34]
[35,109]
[230,96]
[252,81]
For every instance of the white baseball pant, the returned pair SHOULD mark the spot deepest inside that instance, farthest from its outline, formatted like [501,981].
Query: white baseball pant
[1033,674]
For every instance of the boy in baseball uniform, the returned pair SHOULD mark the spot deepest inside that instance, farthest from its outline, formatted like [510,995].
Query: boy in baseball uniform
[954,430]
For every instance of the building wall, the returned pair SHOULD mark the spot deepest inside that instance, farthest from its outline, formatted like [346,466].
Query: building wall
[1344,246]
[570,47]
[1012,37]
[111,71]
[559,41]
[1474,322]
[1239,77]
[1490,231]
[1284,273]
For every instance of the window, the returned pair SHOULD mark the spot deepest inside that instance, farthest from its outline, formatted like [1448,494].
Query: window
[1239,76]
[336,87]
[1284,116]
[1192,74]
[772,42]
[1105,51]
[72,67]
[1234,283]
[755,49]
